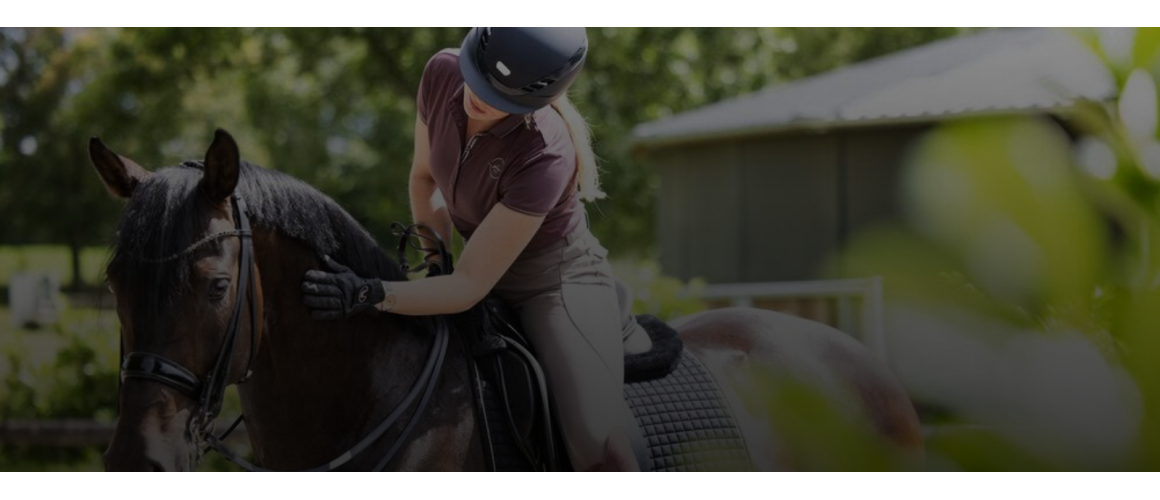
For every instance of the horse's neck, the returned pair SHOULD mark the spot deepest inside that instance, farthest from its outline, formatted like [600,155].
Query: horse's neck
[320,386]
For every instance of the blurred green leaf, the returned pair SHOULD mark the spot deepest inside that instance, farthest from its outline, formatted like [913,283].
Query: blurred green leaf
[820,434]
[1146,48]
[1002,192]
[1023,292]
[976,449]
[1137,320]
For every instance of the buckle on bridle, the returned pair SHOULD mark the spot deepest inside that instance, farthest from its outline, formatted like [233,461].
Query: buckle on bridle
[411,236]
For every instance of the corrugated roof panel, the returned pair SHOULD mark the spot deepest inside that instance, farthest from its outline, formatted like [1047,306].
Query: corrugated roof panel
[991,71]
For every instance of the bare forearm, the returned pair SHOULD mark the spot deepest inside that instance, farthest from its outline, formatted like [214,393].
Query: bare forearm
[450,294]
[427,207]
[497,242]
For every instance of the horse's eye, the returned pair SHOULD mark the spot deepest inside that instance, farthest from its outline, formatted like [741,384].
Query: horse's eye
[218,288]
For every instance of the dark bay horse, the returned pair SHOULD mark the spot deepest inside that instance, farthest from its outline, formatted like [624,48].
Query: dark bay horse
[206,269]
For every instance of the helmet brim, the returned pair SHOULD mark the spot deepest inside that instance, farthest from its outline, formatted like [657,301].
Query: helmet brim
[479,84]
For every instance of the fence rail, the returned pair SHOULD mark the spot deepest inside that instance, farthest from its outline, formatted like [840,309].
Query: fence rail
[61,433]
[858,303]
[73,432]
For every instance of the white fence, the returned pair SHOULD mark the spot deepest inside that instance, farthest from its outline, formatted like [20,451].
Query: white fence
[858,302]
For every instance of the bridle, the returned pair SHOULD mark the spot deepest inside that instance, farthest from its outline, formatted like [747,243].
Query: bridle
[210,392]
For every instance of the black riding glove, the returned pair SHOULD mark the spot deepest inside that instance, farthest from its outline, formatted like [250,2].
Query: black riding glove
[337,292]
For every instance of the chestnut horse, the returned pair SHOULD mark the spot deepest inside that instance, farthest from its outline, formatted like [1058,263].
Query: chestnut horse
[207,264]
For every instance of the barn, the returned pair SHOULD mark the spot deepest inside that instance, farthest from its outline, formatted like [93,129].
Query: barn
[757,192]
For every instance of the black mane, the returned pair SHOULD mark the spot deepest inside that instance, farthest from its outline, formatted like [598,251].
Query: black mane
[165,215]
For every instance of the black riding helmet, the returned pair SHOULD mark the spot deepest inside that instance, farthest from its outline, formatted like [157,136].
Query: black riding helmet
[520,70]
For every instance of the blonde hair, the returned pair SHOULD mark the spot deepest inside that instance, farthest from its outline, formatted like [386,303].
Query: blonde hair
[587,173]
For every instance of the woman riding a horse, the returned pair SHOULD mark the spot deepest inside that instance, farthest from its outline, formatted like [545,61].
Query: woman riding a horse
[502,154]
[207,270]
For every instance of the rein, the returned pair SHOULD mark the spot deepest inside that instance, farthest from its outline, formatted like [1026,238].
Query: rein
[209,392]
[412,236]
[423,388]
[425,385]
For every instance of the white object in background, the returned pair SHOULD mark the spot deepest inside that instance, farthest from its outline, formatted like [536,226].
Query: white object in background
[34,299]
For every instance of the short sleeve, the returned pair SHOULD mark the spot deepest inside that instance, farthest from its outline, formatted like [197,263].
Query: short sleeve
[441,68]
[536,186]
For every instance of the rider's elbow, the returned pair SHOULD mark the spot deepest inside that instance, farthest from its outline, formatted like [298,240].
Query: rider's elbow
[471,292]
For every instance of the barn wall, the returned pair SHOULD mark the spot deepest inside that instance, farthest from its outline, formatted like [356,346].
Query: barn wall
[755,210]
[874,159]
[699,209]
[774,208]
[790,206]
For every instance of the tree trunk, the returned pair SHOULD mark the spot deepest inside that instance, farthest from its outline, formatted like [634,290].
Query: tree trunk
[78,280]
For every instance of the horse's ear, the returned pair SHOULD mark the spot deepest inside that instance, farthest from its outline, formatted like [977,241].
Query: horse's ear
[120,175]
[222,167]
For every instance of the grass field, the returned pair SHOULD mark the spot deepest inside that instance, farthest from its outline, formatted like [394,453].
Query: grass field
[40,346]
[47,372]
[52,259]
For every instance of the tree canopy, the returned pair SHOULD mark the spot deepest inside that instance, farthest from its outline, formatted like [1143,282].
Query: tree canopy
[335,107]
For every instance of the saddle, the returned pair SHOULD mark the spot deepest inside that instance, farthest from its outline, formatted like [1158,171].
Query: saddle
[683,421]
[513,401]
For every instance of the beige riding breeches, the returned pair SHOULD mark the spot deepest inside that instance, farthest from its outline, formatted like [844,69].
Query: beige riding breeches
[566,298]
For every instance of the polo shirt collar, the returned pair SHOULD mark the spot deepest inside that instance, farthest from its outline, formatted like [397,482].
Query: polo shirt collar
[500,129]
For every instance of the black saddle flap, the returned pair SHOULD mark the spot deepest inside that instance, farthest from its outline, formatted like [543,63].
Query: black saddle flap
[505,359]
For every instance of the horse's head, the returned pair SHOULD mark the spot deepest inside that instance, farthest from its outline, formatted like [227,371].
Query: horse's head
[188,298]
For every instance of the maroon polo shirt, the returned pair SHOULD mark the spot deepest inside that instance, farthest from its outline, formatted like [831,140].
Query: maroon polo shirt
[525,162]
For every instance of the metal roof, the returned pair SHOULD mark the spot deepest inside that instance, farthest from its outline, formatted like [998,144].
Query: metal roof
[989,72]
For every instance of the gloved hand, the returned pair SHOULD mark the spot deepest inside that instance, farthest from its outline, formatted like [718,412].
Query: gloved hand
[337,292]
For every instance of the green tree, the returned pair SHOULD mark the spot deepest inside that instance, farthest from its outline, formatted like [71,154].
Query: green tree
[336,107]
[43,195]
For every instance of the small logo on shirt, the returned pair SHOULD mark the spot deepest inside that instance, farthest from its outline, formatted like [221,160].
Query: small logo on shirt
[495,167]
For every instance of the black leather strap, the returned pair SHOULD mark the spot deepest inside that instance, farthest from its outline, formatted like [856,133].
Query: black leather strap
[497,338]
[424,386]
[213,390]
[411,236]
[210,391]
[153,367]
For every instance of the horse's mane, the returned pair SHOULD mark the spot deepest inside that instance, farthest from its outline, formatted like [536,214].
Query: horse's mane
[164,217]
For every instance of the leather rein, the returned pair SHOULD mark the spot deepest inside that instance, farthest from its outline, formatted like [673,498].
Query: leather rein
[210,391]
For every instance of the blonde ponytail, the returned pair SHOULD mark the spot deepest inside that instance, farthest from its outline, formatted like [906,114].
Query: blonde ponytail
[588,174]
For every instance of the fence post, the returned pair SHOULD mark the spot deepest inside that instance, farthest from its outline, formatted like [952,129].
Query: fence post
[872,318]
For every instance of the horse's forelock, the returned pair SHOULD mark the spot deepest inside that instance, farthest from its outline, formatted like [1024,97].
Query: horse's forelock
[165,215]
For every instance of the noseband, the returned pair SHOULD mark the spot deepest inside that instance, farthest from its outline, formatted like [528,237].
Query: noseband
[210,391]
